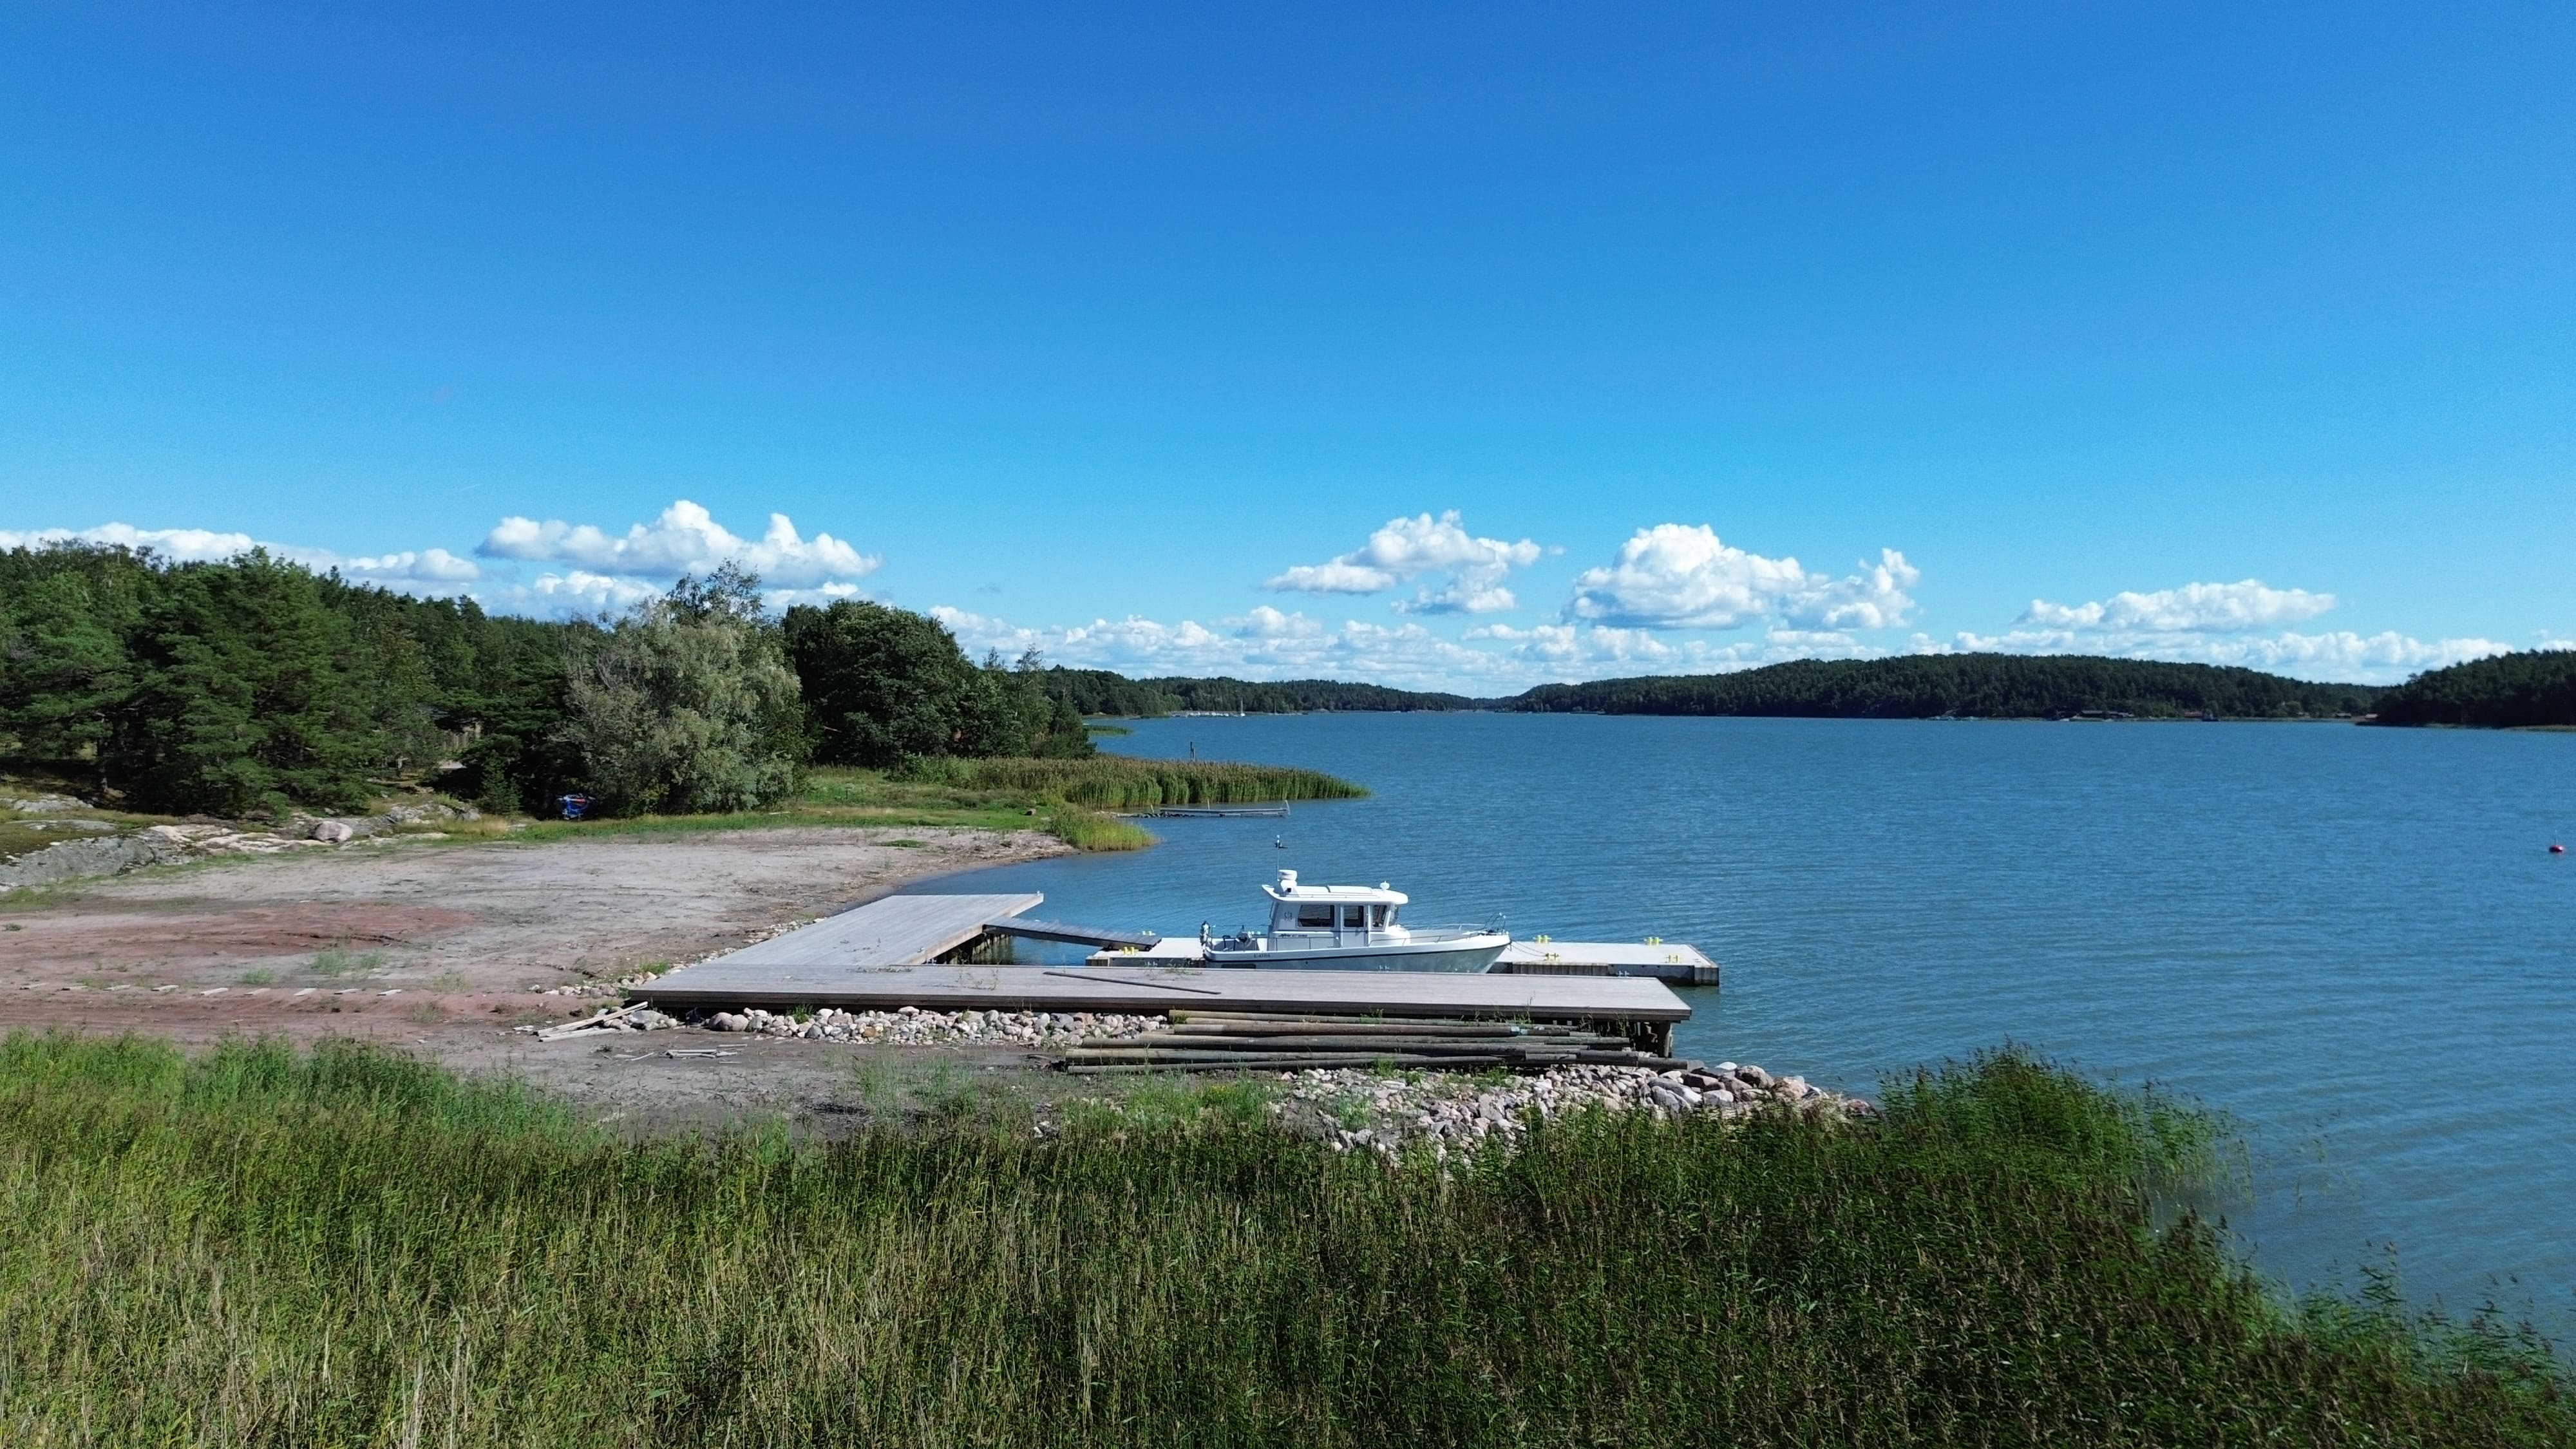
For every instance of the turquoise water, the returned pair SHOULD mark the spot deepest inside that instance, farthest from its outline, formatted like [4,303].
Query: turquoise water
[2351,940]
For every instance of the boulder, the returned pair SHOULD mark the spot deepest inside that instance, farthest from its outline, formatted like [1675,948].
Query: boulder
[332,832]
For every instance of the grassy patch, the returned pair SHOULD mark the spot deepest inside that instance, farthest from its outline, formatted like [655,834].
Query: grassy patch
[1091,830]
[1064,798]
[259,976]
[1119,782]
[255,1246]
[337,961]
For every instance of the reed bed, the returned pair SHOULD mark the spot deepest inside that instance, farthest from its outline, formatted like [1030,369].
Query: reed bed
[1120,782]
[346,1248]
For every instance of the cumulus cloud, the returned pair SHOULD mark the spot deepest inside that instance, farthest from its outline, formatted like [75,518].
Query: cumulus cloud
[2342,655]
[2205,623]
[2193,608]
[423,570]
[1407,550]
[1266,643]
[1682,576]
[686,539]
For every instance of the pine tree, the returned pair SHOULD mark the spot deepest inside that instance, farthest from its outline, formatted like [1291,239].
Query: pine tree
[245,704]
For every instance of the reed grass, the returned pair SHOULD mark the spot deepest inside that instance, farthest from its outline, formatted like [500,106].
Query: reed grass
[1121,782]
[258,1247]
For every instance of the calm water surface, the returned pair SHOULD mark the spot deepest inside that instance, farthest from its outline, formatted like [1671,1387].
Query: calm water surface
[2351,940]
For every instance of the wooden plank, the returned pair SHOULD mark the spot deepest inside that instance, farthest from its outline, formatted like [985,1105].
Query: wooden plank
[904,930]
[1071,934]
[732,981]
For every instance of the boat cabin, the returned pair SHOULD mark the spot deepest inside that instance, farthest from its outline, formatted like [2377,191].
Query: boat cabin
[1332,914]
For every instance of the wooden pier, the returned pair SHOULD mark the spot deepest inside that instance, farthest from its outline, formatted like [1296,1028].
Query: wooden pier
[889,954]
[1638,1008]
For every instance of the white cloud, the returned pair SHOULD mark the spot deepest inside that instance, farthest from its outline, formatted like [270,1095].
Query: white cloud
[2193,608]
[2204,623]
[2339,655]
[1411,549]
[1264,644]
[686,539]
[419,567]
[1682,576]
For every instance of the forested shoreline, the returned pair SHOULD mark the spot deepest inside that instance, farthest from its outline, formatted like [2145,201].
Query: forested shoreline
[1985,686]
[2526,690]
[1925,686]
[254,685]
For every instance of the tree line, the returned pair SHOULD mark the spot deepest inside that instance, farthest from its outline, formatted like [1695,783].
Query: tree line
[1990,686]
[2510,691]
[256,685]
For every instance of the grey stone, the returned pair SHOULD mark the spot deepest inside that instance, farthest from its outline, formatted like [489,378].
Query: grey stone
[84,860]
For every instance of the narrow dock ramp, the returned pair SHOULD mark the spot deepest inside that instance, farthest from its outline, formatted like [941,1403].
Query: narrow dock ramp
[905,930]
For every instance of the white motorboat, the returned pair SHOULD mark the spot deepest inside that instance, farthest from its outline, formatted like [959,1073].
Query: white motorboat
[1351,928]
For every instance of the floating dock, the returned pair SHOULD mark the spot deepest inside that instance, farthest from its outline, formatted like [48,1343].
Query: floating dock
[1664,961]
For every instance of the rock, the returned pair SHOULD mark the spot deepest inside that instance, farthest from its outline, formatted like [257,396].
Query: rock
[88,859]
[331,831]
[43,804]
[1753,1076]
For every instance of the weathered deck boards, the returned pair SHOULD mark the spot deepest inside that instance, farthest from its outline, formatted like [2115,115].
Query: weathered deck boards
[1071,934]
[1669,960]
[904,930]
[731,981]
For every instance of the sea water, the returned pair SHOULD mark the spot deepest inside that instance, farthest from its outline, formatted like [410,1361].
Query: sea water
[2351,941]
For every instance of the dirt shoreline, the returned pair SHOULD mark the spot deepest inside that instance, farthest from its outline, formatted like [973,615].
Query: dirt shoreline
[443,948]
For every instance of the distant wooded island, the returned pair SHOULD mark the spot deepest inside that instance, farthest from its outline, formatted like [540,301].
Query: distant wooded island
[2530,689]
[1924,686]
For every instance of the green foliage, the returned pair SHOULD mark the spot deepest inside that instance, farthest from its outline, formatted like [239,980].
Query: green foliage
[1090,830]
[251,685]
[258,1247]
[67,675]
[252,695]
[1992,686]
[885,686]
[2535,687]
[1119,782]
[687,705]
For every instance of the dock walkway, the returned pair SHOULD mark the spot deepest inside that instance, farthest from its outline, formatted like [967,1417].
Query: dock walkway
[882,957]
[727,982]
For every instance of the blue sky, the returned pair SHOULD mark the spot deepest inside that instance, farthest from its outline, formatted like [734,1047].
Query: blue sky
[1168,339]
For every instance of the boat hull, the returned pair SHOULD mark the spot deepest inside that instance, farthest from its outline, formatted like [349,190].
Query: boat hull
[1472,956]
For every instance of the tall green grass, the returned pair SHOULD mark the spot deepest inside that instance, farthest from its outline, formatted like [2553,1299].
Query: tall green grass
[1117,782]
[256,1247]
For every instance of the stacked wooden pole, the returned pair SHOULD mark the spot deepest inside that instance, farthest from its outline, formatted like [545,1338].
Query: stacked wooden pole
[1223,1041]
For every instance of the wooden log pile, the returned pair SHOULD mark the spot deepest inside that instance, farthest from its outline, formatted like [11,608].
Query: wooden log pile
[1221,1041]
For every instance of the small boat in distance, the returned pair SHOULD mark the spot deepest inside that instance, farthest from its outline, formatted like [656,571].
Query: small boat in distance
[1351,928]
